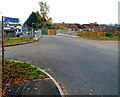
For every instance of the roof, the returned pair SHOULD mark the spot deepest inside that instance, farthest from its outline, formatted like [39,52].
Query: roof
[110,28]
[15,24]
[9,29]
[96,26]
[89,26]
[79,26]
[67,25]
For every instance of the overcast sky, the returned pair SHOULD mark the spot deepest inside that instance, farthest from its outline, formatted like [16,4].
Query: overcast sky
[68,11]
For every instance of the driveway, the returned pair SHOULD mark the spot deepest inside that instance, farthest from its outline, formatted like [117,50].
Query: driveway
[84,67]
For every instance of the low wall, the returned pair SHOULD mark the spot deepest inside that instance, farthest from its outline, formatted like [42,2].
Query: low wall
[51,32]
[92,34]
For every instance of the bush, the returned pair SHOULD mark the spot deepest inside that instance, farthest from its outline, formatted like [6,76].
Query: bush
[108,34]
[117,33]
[8,38]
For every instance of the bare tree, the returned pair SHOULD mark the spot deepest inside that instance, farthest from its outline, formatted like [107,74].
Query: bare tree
[44,10]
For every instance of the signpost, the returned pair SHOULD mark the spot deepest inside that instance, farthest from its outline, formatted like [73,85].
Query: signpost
[0,29]
[2,41]
[6,19]
[9,19]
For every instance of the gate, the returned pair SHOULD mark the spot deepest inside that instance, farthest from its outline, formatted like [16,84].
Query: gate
[44,31]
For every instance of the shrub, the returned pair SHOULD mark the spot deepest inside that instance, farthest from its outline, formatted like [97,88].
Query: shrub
[108,34]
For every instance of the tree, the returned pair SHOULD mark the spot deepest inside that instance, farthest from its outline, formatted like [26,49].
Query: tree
[44,10]
[40,20]
[31,20]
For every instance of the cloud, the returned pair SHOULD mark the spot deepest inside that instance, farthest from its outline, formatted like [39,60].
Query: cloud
[80,11]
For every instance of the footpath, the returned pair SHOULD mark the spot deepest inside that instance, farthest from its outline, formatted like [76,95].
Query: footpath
[41,87]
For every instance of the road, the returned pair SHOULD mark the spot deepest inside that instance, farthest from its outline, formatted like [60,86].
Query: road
[84,67]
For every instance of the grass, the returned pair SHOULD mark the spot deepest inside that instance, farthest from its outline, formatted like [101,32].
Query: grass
[16,40]
[104,38]
[16,72]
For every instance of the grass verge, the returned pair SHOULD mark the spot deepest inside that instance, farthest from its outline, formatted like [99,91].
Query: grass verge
[16,72]
[16,40]
[104,38]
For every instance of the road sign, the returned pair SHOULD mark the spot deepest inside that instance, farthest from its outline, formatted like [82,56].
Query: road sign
[8,19]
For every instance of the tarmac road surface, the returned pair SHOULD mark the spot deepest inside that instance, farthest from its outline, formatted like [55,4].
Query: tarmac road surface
[84,67]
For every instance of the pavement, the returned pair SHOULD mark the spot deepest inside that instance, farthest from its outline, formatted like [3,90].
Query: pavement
[33,88]
[84,67]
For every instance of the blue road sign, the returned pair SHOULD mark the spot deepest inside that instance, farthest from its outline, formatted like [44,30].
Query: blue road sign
[8,19]
[24,30]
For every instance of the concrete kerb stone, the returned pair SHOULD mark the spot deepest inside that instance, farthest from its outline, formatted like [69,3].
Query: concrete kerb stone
[57,85]
[36,39]
[99,39]
[22,43]
[54,81]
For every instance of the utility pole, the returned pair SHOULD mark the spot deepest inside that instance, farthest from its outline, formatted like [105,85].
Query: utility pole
[2,41]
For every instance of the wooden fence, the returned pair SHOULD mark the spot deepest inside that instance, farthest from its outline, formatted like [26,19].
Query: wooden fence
[92,34]
[51,31]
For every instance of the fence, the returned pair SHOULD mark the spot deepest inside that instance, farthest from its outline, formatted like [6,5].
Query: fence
[38,34]
[92,34]
[66,32]
[51,32]
[75,33]
[44,31]
[61,32]
[72,33]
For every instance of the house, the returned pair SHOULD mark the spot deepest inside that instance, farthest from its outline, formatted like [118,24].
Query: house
[97,28]
[12,27]
[110,29]
[9,33]
[70,26]
[80,28]
[76,27]
[92,28]
[17,27]
[88,28]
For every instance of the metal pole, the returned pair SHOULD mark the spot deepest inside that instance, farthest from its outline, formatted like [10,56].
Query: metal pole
[32,32]
[2,41]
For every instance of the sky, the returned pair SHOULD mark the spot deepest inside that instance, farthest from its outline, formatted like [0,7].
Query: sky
[68,11]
